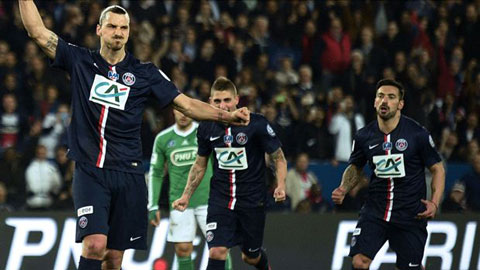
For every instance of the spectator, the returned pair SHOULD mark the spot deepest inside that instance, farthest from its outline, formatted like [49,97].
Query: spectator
[13,125]
[335,57]
[12,170]
[299,181]
[43,181]
[343,126]
[454,202]
[471,185]
[286,75]
[374,56]
[449,146]
[54,127]
[312,136]
[305,84]
[470,130]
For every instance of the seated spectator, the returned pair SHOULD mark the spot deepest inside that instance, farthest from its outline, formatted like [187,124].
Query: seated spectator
[299,181]
[43,181]
[471,185]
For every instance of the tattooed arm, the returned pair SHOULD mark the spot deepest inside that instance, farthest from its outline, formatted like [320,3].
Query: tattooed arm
[195,176]
[351,177]
[279,164]
[199,110]
[46,39]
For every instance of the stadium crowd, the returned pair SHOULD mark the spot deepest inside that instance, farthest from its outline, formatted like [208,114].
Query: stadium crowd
[309,66]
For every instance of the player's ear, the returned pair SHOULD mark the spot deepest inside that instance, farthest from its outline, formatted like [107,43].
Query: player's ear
[98,30]
[401,104]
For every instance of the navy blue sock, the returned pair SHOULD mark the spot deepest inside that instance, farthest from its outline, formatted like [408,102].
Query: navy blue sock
[89,264]
[215,264]
[263,262]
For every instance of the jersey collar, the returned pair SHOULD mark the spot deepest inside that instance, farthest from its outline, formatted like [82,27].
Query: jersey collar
[186,132]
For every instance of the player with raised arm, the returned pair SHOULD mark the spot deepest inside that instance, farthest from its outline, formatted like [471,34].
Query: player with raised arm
[397,149]
[110,88]
[236,206]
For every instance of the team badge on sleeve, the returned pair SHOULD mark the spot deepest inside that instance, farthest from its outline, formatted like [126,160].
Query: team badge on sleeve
[270,130]
[82,222]
[430,139]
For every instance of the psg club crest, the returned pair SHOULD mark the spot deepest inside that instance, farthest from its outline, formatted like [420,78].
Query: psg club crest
[209,236]
[227,139]
[241,138]
[82,222]
[128,78]
[401,144]
[387,146]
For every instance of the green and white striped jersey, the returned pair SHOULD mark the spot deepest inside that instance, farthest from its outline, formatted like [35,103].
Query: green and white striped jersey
[178,150]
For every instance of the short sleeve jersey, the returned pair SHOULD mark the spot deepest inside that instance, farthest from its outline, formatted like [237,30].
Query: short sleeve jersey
[398,162]
[239,161]
[107,106]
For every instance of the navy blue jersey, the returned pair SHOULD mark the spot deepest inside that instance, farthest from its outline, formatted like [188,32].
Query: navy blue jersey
[398,162]
[239,161]
[108,104]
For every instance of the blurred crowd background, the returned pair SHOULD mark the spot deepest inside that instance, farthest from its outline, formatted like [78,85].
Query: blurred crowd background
[309,66]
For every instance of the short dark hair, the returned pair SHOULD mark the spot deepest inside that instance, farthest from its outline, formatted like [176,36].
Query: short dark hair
[115,9]
[391,82]
[223,84]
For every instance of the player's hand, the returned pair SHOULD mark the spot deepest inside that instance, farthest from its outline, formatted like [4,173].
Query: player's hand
[180,204]
[241,117]
[154,217]
[279,194]
[430,212]
[338,195]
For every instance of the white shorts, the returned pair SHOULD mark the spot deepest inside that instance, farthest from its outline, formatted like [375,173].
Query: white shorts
[183,225]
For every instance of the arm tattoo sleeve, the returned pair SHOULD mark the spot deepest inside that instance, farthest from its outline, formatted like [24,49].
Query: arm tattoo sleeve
[275,157]
[194,178]
[351,177]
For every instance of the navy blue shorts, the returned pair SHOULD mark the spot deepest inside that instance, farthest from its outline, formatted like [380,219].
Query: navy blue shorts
[112,203]
[229,228]
[408,241]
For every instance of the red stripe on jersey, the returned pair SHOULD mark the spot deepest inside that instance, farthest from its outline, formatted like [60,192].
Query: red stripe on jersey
[100,121]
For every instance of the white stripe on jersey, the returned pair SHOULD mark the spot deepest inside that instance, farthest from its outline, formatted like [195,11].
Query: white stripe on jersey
[232,177]
[391,184]
[103,141]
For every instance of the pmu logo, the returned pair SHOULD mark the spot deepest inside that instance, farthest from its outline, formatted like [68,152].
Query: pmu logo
[109,93]
[184,156]
[231,158]
[387,166]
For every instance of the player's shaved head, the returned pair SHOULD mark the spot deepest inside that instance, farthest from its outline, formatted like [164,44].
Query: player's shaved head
[223,84]
[114,9]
